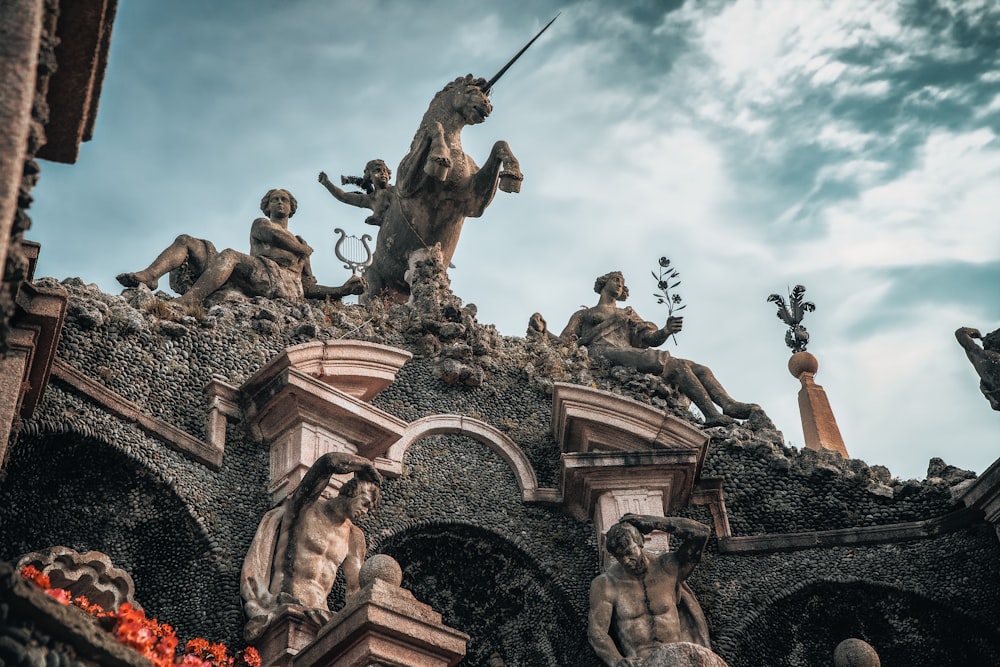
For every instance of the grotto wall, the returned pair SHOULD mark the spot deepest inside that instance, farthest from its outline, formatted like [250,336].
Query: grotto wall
[514,575]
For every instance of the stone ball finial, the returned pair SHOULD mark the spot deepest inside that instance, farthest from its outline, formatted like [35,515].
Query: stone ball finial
[802,362]
[383,567]
[855,653]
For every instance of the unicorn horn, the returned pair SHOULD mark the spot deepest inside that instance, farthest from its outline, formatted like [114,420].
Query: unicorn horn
[496,77]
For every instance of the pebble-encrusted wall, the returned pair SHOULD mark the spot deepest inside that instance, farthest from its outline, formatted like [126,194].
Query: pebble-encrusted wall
[512,575]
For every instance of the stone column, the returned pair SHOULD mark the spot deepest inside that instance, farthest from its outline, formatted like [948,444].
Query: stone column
[819,426]
[620,457]
[313,399]
[20,35]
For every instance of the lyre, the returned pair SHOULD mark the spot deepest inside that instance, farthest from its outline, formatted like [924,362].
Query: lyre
[358,252]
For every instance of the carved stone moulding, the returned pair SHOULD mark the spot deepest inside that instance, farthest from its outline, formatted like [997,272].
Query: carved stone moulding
[587,420]
[90,574]
[668,476]
[357,368]
[312,399]
[620,456]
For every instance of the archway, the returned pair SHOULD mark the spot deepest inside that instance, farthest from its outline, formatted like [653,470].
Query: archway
[69,489]
[804,626]
[491,588]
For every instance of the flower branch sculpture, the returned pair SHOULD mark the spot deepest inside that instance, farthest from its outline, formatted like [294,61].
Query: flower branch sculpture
[665,282]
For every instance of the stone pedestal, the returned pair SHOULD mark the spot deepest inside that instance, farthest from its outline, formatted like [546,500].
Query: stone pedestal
[313,399]
[287,635]
[384,626]
[819,426]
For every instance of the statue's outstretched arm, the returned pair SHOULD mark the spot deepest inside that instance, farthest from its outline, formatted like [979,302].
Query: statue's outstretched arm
[359,199]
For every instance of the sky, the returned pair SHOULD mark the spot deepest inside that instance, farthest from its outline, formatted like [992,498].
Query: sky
[848,146]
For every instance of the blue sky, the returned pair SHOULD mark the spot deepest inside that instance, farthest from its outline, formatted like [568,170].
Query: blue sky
[849,146]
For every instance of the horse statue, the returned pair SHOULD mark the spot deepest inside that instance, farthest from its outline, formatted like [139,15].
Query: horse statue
[438,186]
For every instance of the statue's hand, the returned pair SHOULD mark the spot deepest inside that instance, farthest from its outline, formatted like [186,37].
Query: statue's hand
[323,178]
[306,248]
[674,324]
[629,662]
[641,524]
[356,285]
[368,473]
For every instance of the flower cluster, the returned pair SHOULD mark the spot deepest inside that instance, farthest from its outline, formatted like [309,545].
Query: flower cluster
[147,636]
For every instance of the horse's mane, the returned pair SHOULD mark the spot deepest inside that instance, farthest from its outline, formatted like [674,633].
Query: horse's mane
[436,111]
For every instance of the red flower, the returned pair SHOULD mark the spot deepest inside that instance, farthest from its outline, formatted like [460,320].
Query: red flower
[32,574]
[60,595]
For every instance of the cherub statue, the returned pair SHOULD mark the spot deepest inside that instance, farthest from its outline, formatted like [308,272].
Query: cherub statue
[623,338]
[377,194]
[277,266]
[300,545]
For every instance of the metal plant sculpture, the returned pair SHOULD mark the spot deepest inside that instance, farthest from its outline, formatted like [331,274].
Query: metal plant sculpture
[791,314]
[664,284]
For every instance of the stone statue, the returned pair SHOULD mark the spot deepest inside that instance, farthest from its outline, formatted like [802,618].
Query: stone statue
[377,195]
[277,266]
[622,337]
[985,359]
[643,597]
[300,545]
[438,186]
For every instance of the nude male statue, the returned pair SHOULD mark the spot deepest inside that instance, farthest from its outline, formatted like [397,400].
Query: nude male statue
[643,596]
[622,337]
[277,266]
[300,545]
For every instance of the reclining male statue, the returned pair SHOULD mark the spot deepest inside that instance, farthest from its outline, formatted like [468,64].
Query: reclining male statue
[277,266]
[622,337]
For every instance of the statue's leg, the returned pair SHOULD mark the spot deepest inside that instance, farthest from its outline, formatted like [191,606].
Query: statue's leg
[184,248]
[438,162]
[215,275]
[678,372]
[730,406]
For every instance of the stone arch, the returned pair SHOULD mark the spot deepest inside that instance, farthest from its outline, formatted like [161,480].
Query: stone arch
[479,431]
[487,584]
[71,488]
[804,624]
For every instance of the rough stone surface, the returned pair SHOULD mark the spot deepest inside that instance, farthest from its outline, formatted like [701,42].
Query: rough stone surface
[683,654]
[513,576]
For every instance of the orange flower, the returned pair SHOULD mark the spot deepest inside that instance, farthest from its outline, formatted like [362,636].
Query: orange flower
[251,656]
[32,574]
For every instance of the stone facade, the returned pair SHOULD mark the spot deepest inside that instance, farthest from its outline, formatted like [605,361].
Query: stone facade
[818,549]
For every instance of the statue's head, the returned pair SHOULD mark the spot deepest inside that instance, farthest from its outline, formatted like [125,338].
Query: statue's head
[362,497]
[465,97]
[601,282]
[377,170]
[624,542]
[265,202]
